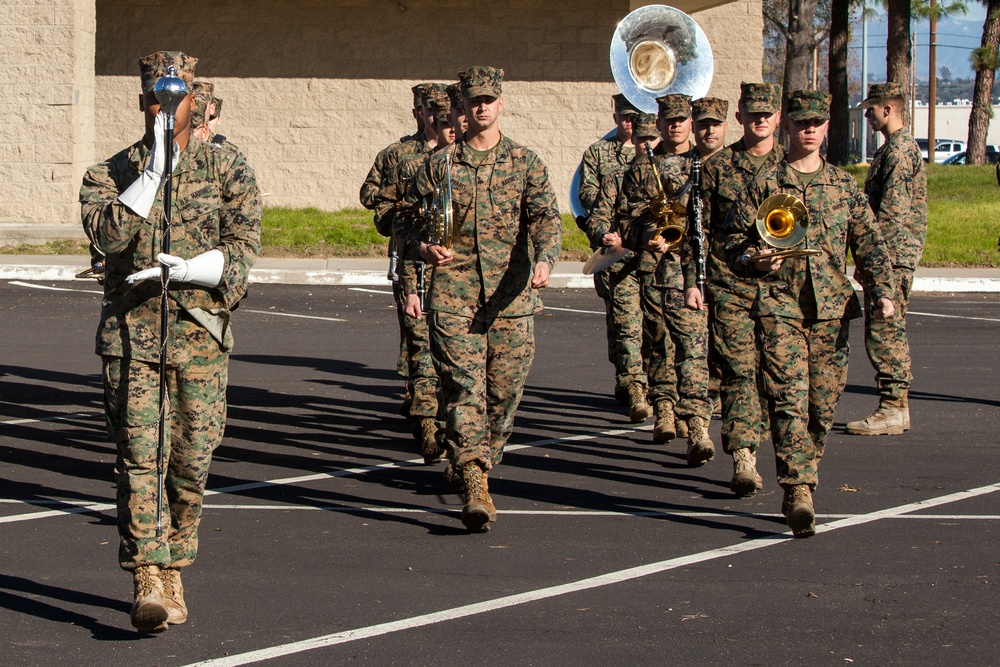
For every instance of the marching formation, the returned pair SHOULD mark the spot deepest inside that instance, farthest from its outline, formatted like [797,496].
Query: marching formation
[723,270]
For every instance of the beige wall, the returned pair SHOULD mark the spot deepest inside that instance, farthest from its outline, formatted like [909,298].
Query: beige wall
[314,88]
[46,121]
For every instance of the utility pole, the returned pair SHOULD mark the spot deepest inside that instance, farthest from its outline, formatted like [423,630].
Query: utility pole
[864,81]
[932,84]
[913,86]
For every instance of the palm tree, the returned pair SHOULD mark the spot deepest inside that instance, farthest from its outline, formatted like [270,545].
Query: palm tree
[839,144]
[985,60]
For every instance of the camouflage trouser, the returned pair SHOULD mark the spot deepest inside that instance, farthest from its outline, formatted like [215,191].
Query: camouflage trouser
[197,374]
[602,280]
[886,343]
[625,316]
[423,379]
[402,360]
[735,353]
[482,367]
[678,350]
[805,371]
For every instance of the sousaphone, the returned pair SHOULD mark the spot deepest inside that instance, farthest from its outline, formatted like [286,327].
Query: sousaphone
[655,50]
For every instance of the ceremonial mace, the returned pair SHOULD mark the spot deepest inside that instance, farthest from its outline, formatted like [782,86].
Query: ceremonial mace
[170,91]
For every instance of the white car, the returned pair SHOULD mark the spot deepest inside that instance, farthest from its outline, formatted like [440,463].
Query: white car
[947,148]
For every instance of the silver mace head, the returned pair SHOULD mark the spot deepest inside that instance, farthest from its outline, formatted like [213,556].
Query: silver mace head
[170,89]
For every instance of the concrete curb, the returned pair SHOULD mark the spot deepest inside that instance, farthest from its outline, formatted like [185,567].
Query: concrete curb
[367,272]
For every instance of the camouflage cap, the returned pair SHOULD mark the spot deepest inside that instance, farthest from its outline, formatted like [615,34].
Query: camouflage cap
[202,91]
[710,108]
[418,94]
[153,66]
[455,95]
[441,115]
[623,107]
[807,104]
[644,127]
[760,97]
[880,91]
[436,94]
[674,105]
[479,81]
[218,107]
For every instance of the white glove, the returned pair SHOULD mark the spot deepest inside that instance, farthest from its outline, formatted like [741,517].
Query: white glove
[139,196]
[204,269]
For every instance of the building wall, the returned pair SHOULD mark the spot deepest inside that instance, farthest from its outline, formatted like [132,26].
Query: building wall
[314,88]
[46,115]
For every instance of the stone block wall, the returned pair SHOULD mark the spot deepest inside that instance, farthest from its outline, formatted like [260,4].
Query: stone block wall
[46,122]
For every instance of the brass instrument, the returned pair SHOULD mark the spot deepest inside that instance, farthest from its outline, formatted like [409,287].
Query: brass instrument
[668,212]
[782,222]
[438,216]
[657,50]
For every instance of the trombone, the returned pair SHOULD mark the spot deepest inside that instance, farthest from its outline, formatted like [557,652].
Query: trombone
[668,213]
[782,222]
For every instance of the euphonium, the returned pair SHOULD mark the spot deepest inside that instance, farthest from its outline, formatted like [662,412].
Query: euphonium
[782,222]
[669,214]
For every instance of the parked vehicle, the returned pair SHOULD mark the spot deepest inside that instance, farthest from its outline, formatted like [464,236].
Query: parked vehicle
[992,156]
[947,148]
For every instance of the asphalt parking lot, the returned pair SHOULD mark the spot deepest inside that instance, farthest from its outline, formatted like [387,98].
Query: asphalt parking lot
[325,541]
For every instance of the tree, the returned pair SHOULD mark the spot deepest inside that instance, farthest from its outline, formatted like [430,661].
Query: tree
[898,44]
[985,60]
[945,73]
[838,148]
[802,38]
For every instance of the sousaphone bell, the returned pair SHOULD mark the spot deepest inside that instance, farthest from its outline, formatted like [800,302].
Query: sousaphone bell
[782,222]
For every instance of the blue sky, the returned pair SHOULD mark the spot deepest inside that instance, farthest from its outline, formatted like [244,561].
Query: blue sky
[956,38]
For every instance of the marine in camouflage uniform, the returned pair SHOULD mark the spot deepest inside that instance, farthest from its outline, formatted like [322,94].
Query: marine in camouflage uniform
[804,305]
[677,335]
[414,275]
[383,168]
[601,172]
[215,238]
[733,345]
[505,242]
[896,186]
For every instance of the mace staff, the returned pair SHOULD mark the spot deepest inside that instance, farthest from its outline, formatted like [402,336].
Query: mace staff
[170,90]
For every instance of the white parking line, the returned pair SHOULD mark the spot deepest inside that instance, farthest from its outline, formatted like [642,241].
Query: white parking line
[368,289]
[953,317]
[281,314]
[55,289]
[574,310]
[70,509]
[589,583]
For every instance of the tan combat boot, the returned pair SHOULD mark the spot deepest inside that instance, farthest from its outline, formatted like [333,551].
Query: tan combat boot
[700,449]
[478,505]
[638,409]
[892,417]
[453,478]
[149,614]
[797,506]
[429,447]
[665,428]
[173,596]
[682,428]
[746,482]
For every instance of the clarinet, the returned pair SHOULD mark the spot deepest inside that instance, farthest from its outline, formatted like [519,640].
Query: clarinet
[421,282]
[698,238]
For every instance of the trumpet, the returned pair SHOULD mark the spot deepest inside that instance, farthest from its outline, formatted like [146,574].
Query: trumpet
[669,214]
[782,222]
